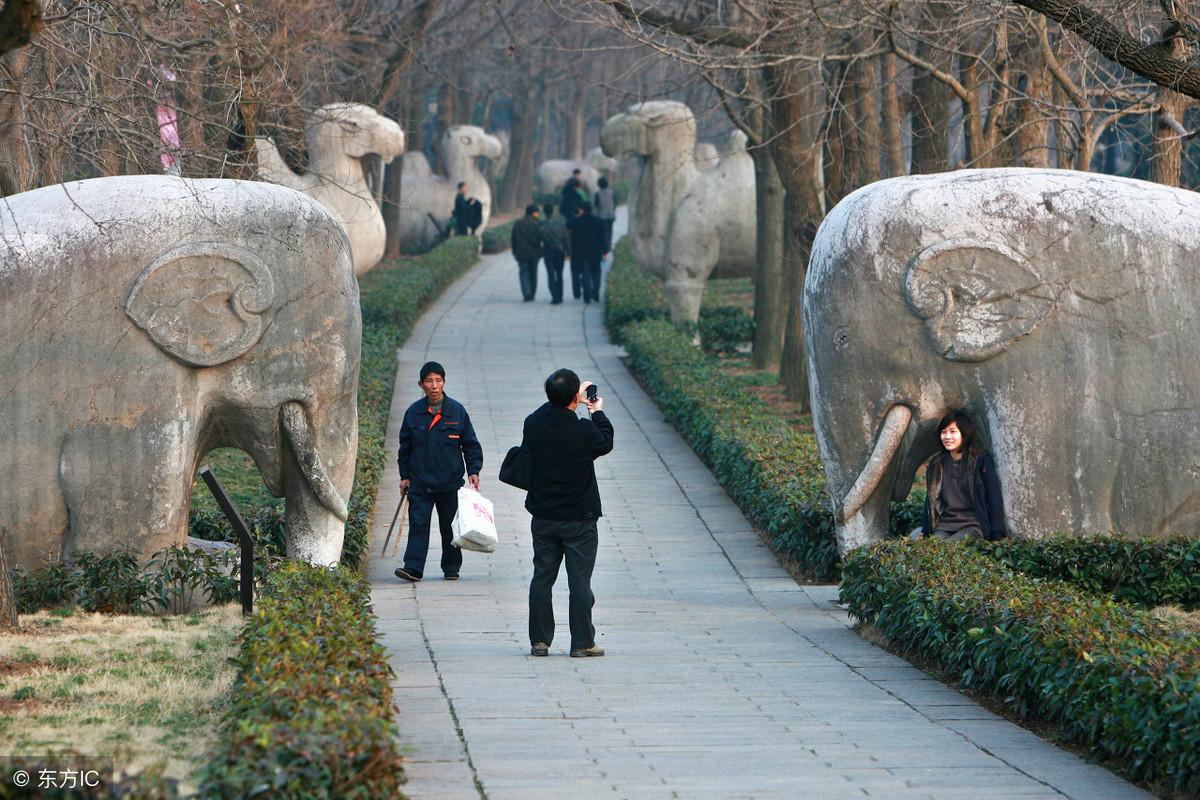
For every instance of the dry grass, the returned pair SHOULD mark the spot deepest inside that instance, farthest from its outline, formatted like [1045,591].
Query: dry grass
[1188,620]
[148,689]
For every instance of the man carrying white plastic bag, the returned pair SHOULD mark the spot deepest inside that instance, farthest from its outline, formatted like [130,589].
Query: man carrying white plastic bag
[474,525]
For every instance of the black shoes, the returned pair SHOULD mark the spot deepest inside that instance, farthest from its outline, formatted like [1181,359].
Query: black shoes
[453,577]
[407,575]
[539,649]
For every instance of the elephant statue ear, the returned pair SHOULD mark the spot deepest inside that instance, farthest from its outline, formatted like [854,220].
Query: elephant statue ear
[976,297]
[203,303]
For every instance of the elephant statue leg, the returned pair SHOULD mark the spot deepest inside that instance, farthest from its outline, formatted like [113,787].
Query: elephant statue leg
[152,493]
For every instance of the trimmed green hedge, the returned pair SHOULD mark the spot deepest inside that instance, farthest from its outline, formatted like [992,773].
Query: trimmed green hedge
[772,471]
[310,714]
[498,239]
[392,298]
[1141,572]
[1118,679]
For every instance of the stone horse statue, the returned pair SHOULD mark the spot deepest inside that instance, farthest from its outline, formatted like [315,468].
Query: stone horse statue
[427,200]
[339,136]
[685,225]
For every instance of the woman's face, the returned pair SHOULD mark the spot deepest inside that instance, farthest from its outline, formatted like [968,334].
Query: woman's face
[951,437]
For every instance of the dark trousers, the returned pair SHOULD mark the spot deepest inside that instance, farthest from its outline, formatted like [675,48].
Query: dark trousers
[552,540]
[554,279]
[576,278]
[420,514]
[608,228]
[527,267]
[589,270]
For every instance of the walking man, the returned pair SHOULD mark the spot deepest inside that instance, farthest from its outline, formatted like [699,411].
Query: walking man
[556,246]
[527,249]
[436,442]
[587,248]
[606,212]
[565,503]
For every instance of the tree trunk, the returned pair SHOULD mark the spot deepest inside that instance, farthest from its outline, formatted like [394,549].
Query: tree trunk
[1031,140]
[520,160]
[797,99]
[8,601]
[770,286]
[893,119]
[843,152]
[577,122]
[865,76]
[930,113]
[16,169]
[1166,152]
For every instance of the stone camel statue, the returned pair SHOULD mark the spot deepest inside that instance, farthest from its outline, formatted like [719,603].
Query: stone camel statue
[685,225]
[149,319]
[552,175]
[338,136]
[707,156]
[427,200]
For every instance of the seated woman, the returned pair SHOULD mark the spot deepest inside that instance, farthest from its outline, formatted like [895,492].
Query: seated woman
[962,490]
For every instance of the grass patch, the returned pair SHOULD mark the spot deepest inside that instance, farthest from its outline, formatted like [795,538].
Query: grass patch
[136,687]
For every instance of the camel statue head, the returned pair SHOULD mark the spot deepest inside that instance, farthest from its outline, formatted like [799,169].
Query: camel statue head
[654,128]
[468,141]
[354,130]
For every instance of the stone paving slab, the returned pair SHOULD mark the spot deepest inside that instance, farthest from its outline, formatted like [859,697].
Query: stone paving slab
[723,679]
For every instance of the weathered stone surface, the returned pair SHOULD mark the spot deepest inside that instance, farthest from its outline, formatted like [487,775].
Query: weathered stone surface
[148,319]
[339,135]
[707,156]
[424,194]
[685,225]
[1058,308]
[552,175]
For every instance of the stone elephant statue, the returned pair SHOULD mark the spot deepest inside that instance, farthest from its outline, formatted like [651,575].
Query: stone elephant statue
[1058,308]
[551,176]
[149,319]
[685,225]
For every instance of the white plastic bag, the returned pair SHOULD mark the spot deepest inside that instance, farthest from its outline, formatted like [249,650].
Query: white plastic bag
[474,526]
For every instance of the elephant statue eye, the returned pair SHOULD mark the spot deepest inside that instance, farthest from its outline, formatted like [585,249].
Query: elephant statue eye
[841,337]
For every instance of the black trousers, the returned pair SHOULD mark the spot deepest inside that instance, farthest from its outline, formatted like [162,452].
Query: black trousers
[552,540]
[420,514]
[554,278]
[576,278]
[527,267]
[589,270]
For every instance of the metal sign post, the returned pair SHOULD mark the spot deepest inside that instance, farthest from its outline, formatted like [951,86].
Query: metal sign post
[244,538]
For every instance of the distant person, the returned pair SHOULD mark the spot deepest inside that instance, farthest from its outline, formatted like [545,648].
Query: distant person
[564,501]
[606,212]
[437,445]
[474,215]
[962,490]
[462,210]
[587,248]
[527,249]
[556,246]
[572,197]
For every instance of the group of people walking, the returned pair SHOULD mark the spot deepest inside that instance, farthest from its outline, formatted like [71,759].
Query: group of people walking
[582,235]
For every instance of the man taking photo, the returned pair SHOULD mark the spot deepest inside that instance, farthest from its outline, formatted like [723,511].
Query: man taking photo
[565,503]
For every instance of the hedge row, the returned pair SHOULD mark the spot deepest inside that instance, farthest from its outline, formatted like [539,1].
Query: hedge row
[1118,679]
[1141,572]
[497,239]
[771,470]
[310,712]
[392,299]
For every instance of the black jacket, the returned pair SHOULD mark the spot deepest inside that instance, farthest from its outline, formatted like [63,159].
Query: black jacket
[433,449]
[555,238]
[462,211]
[561,448]
[983,487]
[587,238]
[527,239]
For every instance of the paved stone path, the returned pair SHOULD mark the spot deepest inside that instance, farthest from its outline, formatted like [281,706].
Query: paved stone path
[723,679]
